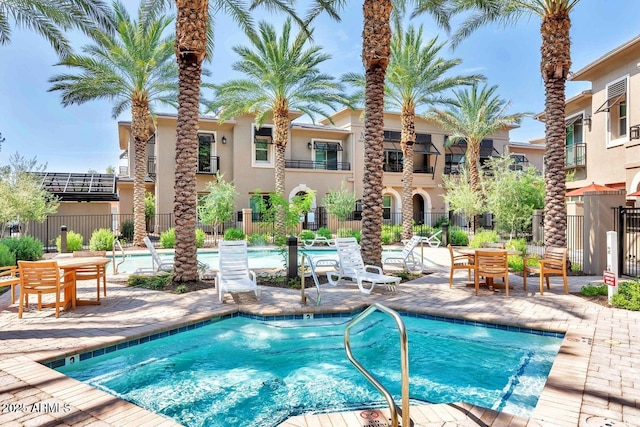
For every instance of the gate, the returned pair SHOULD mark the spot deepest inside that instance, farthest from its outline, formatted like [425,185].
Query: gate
[628,228]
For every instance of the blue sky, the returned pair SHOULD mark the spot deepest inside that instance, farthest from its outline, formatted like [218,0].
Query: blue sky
[79,138]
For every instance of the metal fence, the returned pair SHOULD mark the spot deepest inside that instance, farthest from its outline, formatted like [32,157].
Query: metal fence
[574,236]
[627,225]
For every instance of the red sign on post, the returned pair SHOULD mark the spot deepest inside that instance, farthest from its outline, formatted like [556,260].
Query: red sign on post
[609,278]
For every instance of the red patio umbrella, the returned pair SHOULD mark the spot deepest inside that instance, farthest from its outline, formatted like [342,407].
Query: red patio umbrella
[637,193]
[589,188]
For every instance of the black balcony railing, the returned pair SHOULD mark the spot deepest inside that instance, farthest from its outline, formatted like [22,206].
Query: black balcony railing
[151,166]
[211,165]
[390,167]
[309,164]
[576,156]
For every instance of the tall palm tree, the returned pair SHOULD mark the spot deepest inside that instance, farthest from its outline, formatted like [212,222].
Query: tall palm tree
[134,69]
[52,18]
[555,64]
[282,75]
[478,114]
[415,78]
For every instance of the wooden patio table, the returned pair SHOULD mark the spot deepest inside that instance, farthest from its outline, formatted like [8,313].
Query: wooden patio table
[489,280]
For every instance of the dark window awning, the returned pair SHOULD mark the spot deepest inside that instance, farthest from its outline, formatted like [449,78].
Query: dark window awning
[259,139]
[391,146]
[425,148]
[610,103]
[573,120]
[327,146]
[81,187]
[486,148]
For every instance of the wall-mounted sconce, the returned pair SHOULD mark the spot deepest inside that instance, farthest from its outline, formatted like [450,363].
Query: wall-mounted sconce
[587,121]
[224,139]
[309,145]
[634,132]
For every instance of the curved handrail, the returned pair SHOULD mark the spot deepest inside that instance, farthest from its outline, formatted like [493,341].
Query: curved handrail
[404,363]
[113,254]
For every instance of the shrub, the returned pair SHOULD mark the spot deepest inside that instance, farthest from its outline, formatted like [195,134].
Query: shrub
[101,240]
[458,237]
[593,290]
[343,232]
[391,234]
[74,242]
[357,234]
[168,238]
[25,248]
[628,296]
[6,256]
[200,236]
[307,235]
[257,239]
[280,240]
[518,245]
[126,230]
[233,234]
[483,236]
[324,232]
[423,230]
[149,282]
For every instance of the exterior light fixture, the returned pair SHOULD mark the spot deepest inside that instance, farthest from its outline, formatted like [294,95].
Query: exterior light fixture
[224,139]
[634,132]
[309,145]
[587,121]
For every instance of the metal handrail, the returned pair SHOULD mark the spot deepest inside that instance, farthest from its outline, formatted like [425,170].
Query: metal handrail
[404,363]
[113,254]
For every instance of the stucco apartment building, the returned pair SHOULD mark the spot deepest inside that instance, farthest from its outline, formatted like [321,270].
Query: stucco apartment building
[603,123]
[319,157]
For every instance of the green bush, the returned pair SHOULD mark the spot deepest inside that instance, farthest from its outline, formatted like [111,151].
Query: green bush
[149,282]
[357,234]
[628,296]
[458,237]
[233,234]
[101,240]
[200,236]
[391,234]
[307,235]
[6,256]
[324,232]
[423,230]
[74,242]
[343,232]
[25,248]
[483,236]
[593,290]
[257,239]
[280,240]
[440,221]
[126,230]
[168,238]
[518,245]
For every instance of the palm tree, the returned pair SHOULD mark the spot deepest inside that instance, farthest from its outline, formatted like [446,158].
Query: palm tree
[283,75]
[52,18]
[478,114]
[415,78]
[555,64]
[133,68]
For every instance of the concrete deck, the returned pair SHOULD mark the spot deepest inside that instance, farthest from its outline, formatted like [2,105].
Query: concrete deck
[595,380]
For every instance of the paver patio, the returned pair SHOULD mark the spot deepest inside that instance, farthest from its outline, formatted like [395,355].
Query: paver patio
[594,381]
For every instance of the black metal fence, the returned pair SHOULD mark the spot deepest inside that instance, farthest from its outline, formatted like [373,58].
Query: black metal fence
[575,239]
[627,225]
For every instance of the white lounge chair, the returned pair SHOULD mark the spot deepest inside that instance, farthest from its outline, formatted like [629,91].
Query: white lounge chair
[352,267]
[233,269]
[434,240]
[162,265]
[408,259]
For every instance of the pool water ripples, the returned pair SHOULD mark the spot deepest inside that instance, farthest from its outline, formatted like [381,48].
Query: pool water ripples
[243,372]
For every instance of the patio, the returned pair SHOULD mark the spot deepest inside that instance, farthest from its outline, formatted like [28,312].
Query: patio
[592,380]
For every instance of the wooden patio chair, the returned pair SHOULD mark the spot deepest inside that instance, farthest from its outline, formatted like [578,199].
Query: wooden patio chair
[94,272]
[490,265]
[554,261]
[460,262]
[9,277]
[44,277]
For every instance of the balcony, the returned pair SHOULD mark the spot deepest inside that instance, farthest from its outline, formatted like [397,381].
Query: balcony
[576,156]
[309,164]
[210,165]
[151,166]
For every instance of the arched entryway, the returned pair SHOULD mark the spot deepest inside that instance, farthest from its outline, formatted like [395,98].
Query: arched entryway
[309,220]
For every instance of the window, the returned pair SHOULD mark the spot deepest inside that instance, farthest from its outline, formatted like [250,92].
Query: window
[575,147]
[386,207]
[262,146]
[616,108]
[454,158]
[206,160]
[327,154]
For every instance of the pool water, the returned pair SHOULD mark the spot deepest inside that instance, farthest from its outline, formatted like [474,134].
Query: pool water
[245,372]
[267,258]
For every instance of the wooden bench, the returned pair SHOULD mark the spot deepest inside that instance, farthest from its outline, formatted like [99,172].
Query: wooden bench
[9,277]
[554,261]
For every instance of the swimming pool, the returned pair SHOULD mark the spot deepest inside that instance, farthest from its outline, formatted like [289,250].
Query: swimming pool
[251,372]
[258,258]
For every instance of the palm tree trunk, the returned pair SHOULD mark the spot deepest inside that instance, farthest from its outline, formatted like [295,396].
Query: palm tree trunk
[280,137]
[141,134]
[376,52]
[191,30]
[555,65]
[473,157]
[408,138]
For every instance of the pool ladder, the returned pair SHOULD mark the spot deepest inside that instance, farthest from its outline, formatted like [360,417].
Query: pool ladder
[116,242]
[404,364]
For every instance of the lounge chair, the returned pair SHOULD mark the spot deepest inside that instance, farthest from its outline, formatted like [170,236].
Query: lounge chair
[233,269]
[162,265]
[408,259]
[310,243]
[434,240]
[352,267]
